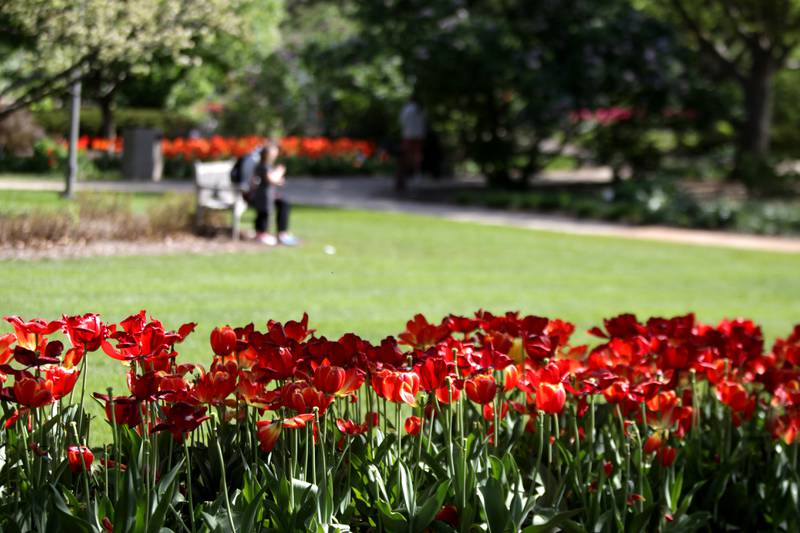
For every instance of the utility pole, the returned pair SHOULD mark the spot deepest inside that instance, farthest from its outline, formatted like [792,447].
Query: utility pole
[74,127]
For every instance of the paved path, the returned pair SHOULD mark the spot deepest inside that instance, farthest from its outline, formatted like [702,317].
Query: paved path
[376,194]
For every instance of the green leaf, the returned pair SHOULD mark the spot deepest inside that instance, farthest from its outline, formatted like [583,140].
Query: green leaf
[492,498]
[542,522]
[67,520]
[427,512]
[125,509]
[165,492]
[392,520]
[675,492]
[407,489]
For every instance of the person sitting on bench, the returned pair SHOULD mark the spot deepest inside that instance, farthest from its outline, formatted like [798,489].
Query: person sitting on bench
[267,179]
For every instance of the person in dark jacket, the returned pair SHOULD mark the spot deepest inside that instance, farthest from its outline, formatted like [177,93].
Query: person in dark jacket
[267,178]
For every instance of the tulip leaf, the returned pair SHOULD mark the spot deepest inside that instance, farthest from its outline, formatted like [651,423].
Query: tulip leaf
[68,521]
[164,498]
[492,498]
[392,520]
[547,521]
[407,488]
[675,492]
[427,512]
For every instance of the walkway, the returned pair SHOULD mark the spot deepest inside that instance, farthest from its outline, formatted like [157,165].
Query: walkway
[375,194]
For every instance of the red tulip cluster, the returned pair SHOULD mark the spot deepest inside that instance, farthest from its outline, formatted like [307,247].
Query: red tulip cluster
[649,371]
[316,147]
[218,147]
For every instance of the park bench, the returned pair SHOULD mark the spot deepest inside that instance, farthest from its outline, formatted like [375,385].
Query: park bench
[215,191]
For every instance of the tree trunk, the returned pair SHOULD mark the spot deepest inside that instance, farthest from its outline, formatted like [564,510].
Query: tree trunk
[74,130]
[753,145]
[108,129]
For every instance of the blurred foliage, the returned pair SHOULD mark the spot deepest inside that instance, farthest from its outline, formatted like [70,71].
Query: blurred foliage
[509,86]
[648,201]
[170,123]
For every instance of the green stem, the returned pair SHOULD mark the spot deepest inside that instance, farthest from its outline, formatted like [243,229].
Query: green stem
[539,449]
[224,480]
[83,386]
[85,473]
[189,481]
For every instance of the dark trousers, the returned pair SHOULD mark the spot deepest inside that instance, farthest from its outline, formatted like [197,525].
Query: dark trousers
[282,208]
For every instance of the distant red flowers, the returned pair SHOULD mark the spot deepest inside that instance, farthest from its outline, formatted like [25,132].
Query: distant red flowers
[217,147]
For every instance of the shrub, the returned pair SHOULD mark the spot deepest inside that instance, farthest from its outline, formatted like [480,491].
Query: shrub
[98,217]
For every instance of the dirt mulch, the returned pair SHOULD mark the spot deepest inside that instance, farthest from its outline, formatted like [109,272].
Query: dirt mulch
[183,244]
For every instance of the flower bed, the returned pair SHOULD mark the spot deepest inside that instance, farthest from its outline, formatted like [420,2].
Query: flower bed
[498,420]
[302,155]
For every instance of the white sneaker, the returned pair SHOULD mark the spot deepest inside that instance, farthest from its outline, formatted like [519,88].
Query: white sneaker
[287,239]
[267,239]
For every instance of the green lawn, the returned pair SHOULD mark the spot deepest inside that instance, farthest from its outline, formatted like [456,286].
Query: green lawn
[389,266]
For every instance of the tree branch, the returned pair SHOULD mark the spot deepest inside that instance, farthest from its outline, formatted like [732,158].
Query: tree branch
[45,88]
[730,68]
[736,22]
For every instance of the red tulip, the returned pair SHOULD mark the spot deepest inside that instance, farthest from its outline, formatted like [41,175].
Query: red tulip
[348,427]
[303,398]
[443,393]
[329,379]
[397,387]
[127,410]
[481,389]
[298,421]
[268,432]
[33,392]
[217,384]
[666,455]
[353,380]
[223,340]
[181,418]
[432,373]
[86,331]
[78,456]
[371,420]
[550,397]
[27,332]
[63,379]
[652,443]
[413,425]
[449,514]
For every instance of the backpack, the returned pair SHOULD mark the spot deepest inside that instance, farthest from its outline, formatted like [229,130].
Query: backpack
[236,171]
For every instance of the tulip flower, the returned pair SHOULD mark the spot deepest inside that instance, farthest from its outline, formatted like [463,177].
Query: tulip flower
[217,384]
[87,331]
[413,425]
[78,456]
[223,340]
[329,379]
[63,379]
[432,373]
[481,389]
[33,392]
[268,432]
[181,418]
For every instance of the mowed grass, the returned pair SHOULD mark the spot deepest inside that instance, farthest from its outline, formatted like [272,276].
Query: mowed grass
[387,267]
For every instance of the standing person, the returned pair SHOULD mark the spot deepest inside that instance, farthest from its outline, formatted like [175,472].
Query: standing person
[413,126]
[267,179]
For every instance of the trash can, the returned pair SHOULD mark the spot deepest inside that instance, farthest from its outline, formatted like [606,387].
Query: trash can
[141,154]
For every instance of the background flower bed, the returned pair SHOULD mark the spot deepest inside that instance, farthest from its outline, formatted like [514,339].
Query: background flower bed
[659,425]
[307,156]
